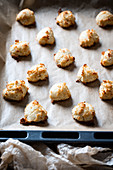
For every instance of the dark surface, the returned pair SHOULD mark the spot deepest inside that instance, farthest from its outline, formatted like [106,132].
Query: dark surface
[75,137]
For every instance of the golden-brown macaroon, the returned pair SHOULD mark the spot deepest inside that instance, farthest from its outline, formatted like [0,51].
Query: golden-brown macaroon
[37,72]
[88,38]
[107,58]
[45,36]
[26,17]
[83,112]
[63,58]
[65,19]
[106,90]
[15,90]
[86,74]
[104,18]
[19,48]
[59,91]
[34,113]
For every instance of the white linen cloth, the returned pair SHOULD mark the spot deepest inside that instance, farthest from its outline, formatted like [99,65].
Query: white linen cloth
[39,156]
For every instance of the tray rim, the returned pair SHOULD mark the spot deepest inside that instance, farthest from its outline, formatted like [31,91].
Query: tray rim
[83,137]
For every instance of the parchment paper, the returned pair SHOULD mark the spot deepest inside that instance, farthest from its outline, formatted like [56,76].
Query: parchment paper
[38,156]
[59,114]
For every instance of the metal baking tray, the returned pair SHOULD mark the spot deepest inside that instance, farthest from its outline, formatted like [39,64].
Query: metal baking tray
[65,135]
[81,137]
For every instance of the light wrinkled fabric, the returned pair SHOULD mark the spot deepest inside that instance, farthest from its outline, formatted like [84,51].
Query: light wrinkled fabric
[81,155]
[21,155]
[39,156]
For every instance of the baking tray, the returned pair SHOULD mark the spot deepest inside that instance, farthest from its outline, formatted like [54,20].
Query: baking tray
[79,134]
[80,137]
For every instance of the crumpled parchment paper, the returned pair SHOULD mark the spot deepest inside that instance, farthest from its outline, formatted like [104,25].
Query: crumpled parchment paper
[20,156]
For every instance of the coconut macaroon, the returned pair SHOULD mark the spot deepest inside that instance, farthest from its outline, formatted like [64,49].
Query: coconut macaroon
[104,18]
[83,112]
[59,92]
[107,58]
[63,58]
[88,38]
[34,113]
[86,74]
[65,19]
[37,72]
[45,36]
[15,90]
[20,48]
[26,17]
[106,90]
